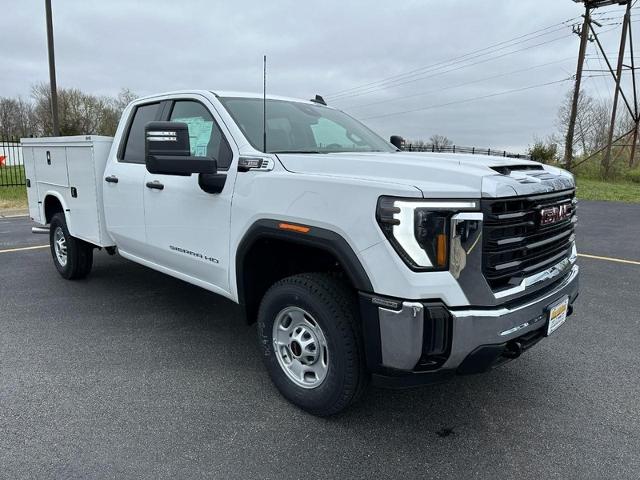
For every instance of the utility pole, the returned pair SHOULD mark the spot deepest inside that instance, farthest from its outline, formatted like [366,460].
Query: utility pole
[632,155]
[584,38]
[52,71]
[606,161]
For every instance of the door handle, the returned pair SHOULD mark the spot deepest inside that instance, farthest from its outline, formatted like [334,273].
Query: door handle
[156,185]
[111,179]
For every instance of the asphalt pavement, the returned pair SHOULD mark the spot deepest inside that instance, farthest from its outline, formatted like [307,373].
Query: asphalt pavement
[133,374]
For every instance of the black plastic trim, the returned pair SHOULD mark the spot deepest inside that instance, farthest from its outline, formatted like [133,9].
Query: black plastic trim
[371,331]
[321,238]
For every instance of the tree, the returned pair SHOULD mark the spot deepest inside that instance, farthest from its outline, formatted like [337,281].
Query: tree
[440,142]
[545,152]
[80,113]
[113,111]
[17,117]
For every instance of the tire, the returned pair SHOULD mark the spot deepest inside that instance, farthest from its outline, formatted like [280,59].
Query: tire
[319,309]
[72,257]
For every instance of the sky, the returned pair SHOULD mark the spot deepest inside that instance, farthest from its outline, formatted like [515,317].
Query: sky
[412,68]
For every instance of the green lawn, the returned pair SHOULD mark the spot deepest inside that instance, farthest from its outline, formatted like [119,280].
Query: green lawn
[612,191]
[15,196]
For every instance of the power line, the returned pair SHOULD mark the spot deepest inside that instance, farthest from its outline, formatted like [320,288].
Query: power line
[403,79]
[500,75]
[516,90]
[475,52]
[382,87]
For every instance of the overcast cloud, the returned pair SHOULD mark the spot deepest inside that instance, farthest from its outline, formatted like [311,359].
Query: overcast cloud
[317,47]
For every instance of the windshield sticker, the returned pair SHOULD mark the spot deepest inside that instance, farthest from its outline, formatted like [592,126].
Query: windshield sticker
[199,134]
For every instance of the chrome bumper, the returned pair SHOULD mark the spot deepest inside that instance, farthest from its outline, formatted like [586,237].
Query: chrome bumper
[474,328]
[401,331]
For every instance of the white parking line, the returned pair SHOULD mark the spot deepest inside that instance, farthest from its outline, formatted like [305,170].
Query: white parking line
[21,249]
[609,259]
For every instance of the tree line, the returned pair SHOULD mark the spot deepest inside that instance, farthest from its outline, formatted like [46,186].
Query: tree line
[82,113]
[590,139]
[79,113]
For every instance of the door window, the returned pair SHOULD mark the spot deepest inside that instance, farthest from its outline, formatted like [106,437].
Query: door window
[134,148]
[205,137]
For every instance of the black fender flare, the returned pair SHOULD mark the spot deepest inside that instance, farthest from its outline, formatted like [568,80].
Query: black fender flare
[321,238]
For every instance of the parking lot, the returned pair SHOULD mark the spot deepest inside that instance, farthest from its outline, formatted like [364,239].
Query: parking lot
[133,373]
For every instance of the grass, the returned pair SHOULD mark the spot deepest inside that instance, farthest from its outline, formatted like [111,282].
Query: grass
[13,197]
[620,191]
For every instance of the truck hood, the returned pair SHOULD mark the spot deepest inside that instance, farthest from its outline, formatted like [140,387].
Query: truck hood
[437,175]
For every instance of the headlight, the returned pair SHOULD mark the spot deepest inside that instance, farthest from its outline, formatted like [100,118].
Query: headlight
[419,229]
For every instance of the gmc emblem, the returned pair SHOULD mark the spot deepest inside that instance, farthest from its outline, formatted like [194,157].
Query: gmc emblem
[555,214]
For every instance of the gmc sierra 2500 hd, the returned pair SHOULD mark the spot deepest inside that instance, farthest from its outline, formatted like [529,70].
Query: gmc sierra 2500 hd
[358,261]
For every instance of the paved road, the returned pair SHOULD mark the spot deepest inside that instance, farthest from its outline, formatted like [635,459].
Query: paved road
[134,374]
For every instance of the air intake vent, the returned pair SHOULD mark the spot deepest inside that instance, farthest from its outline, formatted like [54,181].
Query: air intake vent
[516,168]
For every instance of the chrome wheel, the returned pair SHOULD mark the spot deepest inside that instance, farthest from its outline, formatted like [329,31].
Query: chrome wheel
[300,347]
[60,246]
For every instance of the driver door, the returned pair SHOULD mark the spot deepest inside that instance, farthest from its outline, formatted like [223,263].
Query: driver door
[187,229]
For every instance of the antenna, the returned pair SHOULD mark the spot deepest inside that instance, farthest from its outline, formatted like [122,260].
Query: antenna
[264,105]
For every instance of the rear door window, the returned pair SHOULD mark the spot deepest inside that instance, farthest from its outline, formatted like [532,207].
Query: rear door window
[134,148]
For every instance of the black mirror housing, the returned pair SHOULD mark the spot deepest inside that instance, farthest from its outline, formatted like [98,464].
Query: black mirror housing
[168,151]
[397,141]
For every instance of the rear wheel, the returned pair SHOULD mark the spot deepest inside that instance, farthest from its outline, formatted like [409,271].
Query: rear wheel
[311,342]
[72,257]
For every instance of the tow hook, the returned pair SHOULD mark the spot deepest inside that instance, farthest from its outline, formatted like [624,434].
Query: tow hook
[512,350]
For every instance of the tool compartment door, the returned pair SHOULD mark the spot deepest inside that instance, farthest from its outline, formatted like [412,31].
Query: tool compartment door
[51,165]
[83,198]
[32,184]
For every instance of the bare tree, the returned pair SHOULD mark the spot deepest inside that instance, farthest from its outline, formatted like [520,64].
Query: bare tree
[113,111]
[17,117]
[80,113]
[590,122]
[440,142]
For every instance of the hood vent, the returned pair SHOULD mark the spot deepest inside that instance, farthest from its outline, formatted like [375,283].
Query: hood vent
[525,173]
[516,168]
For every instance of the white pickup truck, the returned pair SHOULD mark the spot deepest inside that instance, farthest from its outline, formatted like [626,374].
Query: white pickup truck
[358,261]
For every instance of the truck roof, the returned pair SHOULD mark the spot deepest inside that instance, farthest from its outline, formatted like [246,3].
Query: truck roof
[227,93]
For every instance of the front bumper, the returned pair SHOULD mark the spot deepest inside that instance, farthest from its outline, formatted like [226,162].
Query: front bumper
[412,343]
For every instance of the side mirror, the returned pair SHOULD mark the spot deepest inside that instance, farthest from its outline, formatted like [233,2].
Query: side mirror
[168,151]
[397,141]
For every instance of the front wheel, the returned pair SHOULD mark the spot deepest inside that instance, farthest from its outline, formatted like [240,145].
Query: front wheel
[311,342]
[72,257]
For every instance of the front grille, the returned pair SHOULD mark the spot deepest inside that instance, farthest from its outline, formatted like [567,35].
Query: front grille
[516,245]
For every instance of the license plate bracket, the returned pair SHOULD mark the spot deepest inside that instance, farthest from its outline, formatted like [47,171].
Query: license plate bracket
[557,314]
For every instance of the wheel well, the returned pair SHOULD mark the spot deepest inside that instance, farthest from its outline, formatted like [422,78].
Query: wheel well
[269,260]
[51,206]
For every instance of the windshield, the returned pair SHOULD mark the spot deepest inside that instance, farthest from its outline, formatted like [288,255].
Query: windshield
[296,127]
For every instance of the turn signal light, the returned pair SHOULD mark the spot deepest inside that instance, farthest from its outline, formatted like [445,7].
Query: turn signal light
[293,228]
[441,254]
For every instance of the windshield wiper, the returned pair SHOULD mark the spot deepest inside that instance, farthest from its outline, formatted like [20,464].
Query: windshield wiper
[295,151]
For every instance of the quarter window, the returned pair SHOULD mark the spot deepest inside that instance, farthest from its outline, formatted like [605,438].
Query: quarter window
[205,137]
